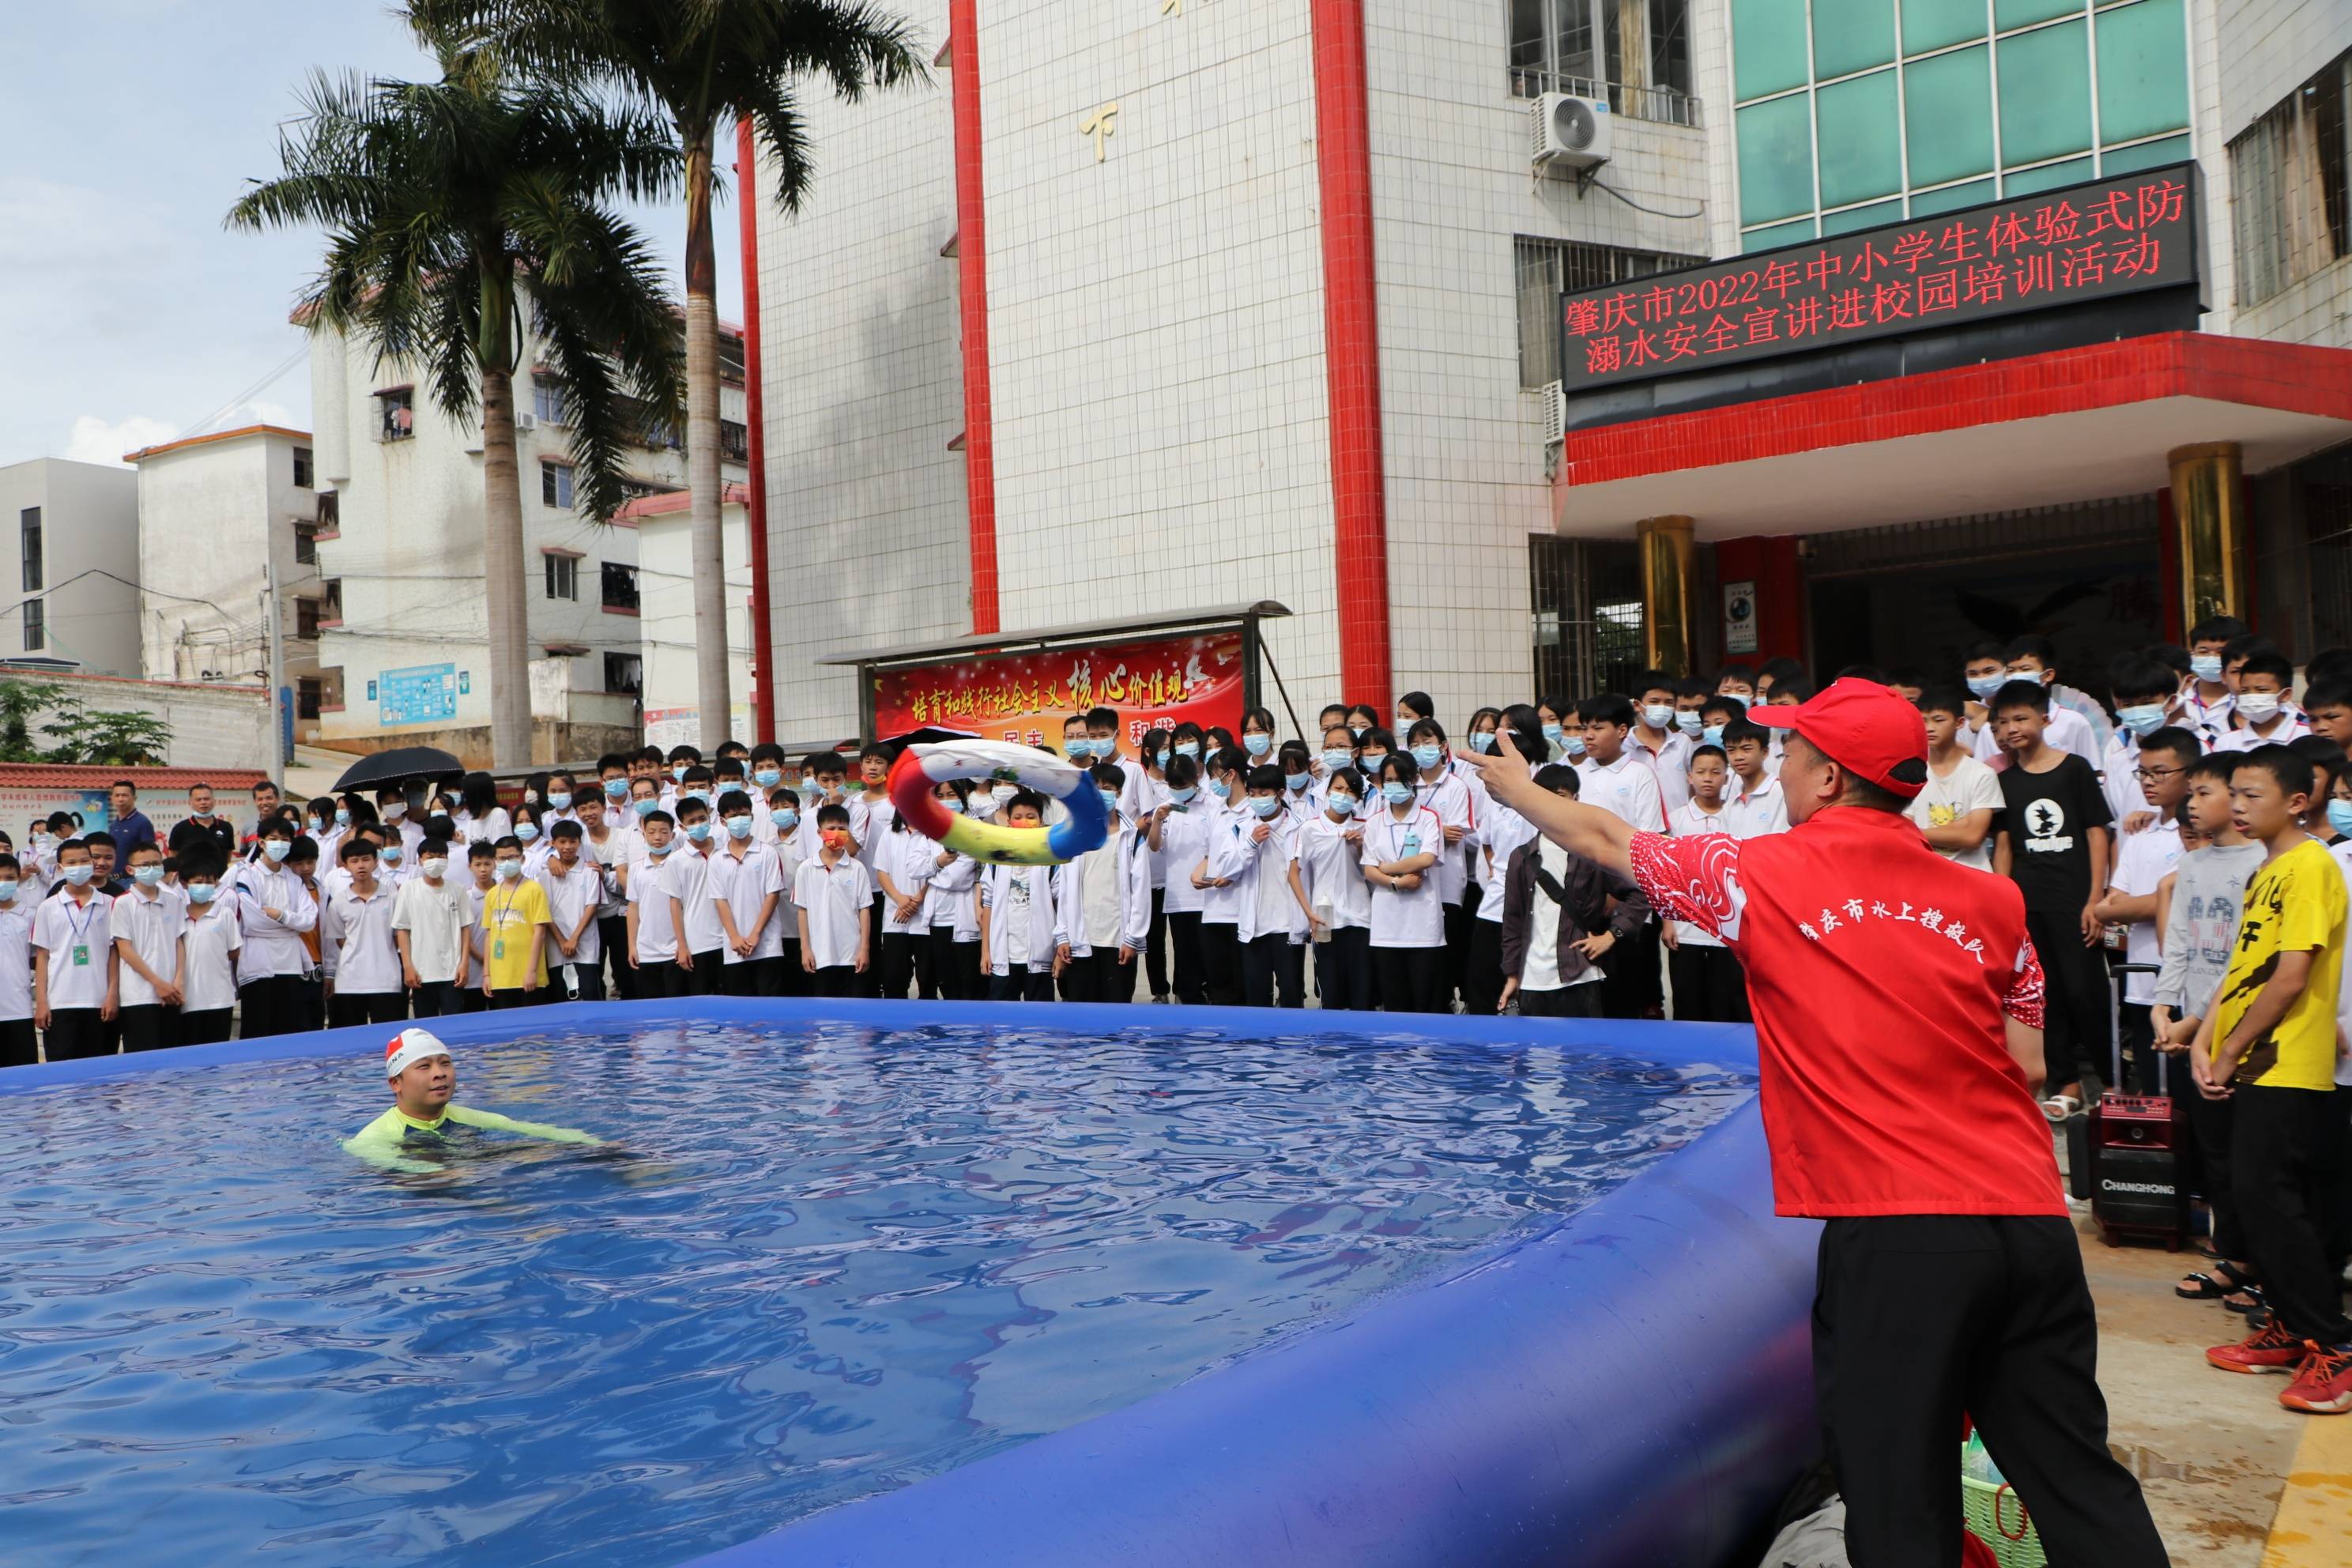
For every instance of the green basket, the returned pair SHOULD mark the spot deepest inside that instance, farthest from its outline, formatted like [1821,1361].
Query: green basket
[1996,1516]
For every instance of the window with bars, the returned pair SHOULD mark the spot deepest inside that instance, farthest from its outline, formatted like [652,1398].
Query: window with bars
[1550,267]
[734,441]
[28,537]
[2291,209]
[36,627]
[555,484]
[1634,54]
[1585,598]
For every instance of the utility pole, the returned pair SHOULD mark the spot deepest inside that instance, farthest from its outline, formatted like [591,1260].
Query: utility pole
[275,643]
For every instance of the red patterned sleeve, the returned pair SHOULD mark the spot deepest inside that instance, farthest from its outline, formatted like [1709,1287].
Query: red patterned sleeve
[1692,879]
[2023,1002]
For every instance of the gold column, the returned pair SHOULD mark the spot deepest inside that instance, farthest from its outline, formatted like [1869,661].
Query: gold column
[1666,552]
[2209,514]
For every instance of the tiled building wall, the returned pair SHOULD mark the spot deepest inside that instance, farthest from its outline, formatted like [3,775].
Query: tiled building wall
[1463,444]
[2267,49]
[867,535]
[1156,316]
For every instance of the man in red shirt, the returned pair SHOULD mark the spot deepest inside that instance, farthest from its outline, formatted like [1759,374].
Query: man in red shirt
[1898,1026]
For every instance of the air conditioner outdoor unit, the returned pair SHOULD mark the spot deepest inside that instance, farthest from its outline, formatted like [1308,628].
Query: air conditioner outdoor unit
[526,422]
[1569,133]
[1555,402]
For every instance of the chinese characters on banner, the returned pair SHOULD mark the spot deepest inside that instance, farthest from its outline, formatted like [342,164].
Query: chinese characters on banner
[2093,241]
[1024,698]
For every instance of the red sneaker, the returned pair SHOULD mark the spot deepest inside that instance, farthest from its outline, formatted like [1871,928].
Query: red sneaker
[2272,1349]
[2323,1385]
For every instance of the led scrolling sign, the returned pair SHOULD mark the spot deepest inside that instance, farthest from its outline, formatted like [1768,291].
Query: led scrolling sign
[2093,241]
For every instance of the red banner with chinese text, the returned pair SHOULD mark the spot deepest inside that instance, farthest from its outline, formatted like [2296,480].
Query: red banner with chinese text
[1153,684]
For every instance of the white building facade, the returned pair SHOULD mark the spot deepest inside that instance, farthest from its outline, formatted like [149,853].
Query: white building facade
[666,627]
[69,567]
[404,651]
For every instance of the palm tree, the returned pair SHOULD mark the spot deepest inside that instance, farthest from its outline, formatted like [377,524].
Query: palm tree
[702,63]
[451,207]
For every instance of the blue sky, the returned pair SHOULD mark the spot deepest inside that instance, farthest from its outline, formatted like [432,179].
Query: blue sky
[128,314]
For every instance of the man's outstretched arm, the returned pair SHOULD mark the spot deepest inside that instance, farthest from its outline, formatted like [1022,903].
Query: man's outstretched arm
[491,1121]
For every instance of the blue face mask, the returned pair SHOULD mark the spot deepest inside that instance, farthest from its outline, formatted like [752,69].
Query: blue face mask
[785,818]
[1340,804]
[1220,789]
[1483,741]
[2339,815]
[677,773]
[1984,686]
[1264,804]
[701,794]
[1109,799]
[1552,733]
[1257,745]
[560,798]
[342,816]
[2144,719]
[1298,781]
[1184,797]
[1428,757]
[1188,748]
[1712,735]
[768,778]
[1575,744]
[698,832]
[1335,759]
[644,807]
[1396,794]
[1689,721]
[147,876]
[390,853]
[2205,665]
[617,789]
[525,831]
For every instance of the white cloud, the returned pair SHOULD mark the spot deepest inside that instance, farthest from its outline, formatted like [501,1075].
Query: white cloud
[96,441]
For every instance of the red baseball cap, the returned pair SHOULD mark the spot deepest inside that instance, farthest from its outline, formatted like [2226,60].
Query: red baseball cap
[1867,729]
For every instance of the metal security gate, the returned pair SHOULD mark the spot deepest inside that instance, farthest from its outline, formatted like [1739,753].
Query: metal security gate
[1585,596]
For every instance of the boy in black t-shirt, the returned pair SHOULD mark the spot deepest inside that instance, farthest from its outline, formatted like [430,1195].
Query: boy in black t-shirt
[2056,843]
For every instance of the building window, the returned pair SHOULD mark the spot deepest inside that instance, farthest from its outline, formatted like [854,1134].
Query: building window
[302,467]
[309,693]
[620,586]
[395,414]
[1635,53]
[731,358]
[36,627]
[555,484]
[306,544]
[306,617]
[734,441]
[28,533]
[1550,267]
[2293,211]
[562,576]
[330,511]
[547,400]
[1585,596]
[625,672]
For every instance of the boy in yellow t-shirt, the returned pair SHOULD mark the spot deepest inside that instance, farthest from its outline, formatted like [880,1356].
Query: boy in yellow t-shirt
[515,921]
[2269,1046]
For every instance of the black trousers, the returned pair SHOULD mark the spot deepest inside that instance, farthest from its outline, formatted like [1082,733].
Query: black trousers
[1098,976]
[1410,979]
[870,982]
[2213,1123]
[1458,935]
[1191,982]
[19,1045]
[1632,989]
[789,977]
[209,1027]
[75,1033]
[1710,985]
[500,1000]
[839,980]
[658,978]
[2276,1176]
[955,966]
[1221,963]
[468,997]
[2077,1033]
[907,964]
[1481,981]
[1918,1319]
[1343,969]
[1266,972]
[1563,1002]
[612,933]
[1155,945]
[271,1005]
[1022,982]
[148,1028]
[707,975]
[434,998]
[2335,1163]
[749,977]
[348,1009]
[589,976]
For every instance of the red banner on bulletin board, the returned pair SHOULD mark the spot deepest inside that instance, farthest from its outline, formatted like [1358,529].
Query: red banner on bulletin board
[1025,697]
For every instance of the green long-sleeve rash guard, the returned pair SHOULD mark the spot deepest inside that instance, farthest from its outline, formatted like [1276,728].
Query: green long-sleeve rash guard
[389,1141]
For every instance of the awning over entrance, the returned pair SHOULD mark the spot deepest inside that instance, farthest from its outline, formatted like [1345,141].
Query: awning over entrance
[2049,429]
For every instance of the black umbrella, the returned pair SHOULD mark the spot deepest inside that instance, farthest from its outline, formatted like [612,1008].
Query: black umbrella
[399,765]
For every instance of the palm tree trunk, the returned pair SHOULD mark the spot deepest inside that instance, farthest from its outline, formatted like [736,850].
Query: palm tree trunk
[713,701]
[502,571]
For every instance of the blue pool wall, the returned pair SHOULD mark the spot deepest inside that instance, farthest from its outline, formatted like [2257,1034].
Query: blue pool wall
[1630,1386]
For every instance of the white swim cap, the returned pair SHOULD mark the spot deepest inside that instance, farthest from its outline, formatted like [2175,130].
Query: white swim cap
[411,1046]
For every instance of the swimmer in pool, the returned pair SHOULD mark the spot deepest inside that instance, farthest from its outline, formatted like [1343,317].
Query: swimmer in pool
[422,1078]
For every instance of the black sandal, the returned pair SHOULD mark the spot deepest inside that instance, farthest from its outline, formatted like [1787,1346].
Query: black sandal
[2256,1303]
[2210,1288]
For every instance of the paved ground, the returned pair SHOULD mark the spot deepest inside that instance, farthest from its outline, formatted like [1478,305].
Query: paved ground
[2235,1480]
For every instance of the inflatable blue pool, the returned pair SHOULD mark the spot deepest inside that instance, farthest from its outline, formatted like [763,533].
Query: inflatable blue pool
[883,1284]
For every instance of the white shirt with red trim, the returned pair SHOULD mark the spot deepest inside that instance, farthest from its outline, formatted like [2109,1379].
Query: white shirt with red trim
[1880,974]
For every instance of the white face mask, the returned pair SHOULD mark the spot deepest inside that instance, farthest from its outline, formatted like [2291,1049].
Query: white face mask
[434,867]
[2258,707]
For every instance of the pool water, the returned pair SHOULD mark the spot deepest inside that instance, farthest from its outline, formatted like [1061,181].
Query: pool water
[836,1260]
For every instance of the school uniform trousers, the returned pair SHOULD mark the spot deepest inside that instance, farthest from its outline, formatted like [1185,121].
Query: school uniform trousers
[1268,971]
[661,978]
[148,1026]
[840,980]
[1343,969]
[708,976]
[955,966]
[347,1009]
[2078,1021]
[434,998]
[1022,982]
[209,1026]
[613,931]
[1710,985]
[1188,974]
[2277,1174]
[76,1033]
[1634,989]
[1221,963]
[269,1005]
[1155,945]
[19,1045]
[1562,1001]
[906,963]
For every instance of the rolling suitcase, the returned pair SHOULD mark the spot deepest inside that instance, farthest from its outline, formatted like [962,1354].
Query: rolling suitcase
[2133,1144]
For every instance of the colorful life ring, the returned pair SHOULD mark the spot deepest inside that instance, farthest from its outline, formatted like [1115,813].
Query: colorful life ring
[921,768]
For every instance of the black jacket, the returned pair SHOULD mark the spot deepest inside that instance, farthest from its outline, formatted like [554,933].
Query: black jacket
[1586,895]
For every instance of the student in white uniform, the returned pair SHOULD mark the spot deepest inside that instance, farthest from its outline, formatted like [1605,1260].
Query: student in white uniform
[903,863]
[834,898]
[1656,739]
[19,1043]
[1561,913]
[1753,795]
[951,910]
[1149,794]
[870,815]
[1180,836]
[790,839]
[1623,781]
[1331,871]
[612,848]
[1957,807]
[356,945]
[2143,688]
[73,962]
[1710,985]
[1403,843]
[747,890]
[1444,791]
[1106,903]
[212,939]
[2144,859]
[274,909]
[147,922]
[2261,716]
[1501,831]
[1020,924]
[653,933]
[702,939]
[431,924]
[1221,899]
[480,819]
[575,885]
[1272,918]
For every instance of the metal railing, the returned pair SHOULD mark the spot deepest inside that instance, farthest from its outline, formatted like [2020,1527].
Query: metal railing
[1665,105]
